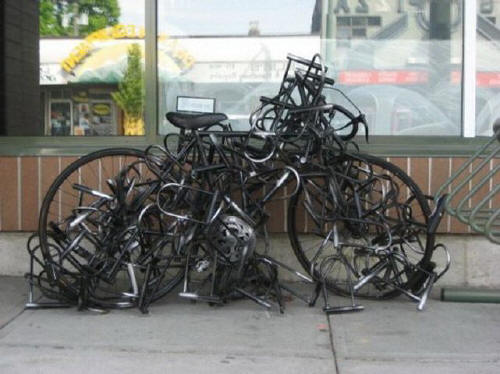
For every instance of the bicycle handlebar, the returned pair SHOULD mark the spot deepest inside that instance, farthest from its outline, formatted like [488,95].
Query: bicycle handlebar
[304,61]
[268,100]
[355,120]
[327,80]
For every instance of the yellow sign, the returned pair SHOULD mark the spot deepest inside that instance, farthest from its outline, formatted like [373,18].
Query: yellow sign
[101,109]
[119,32]
[81,97]
[115,32]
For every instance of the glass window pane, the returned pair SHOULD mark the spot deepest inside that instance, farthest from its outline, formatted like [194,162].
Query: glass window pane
[233,51]
[403,69]
[488,66]
[359,33]
[359,21]
[344,21]
[374,21]
[92,67]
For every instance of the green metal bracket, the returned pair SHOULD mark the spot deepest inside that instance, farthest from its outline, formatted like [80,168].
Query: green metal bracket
[484,217]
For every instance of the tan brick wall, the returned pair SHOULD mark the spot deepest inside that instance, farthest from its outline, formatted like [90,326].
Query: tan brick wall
[25,180]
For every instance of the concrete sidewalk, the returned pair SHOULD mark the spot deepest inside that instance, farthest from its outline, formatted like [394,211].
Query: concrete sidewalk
[182,337]
[392,337]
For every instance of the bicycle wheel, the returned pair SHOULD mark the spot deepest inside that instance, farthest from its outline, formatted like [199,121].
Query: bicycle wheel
[90,215]
[370,214]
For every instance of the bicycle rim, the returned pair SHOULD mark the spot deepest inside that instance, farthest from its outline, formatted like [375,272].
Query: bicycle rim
[400,226]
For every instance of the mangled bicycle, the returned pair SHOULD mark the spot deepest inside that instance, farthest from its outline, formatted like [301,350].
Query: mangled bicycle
[123,227]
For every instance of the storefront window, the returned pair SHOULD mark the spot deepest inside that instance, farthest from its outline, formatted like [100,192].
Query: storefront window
[400,61]
[488,66]
[230,51]
[92,67]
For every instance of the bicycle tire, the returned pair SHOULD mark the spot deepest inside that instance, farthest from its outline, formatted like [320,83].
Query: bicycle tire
[298,231]
[62,202]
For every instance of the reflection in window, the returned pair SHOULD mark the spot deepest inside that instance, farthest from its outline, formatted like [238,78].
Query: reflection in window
[91,67]
[233,51]
[402,57]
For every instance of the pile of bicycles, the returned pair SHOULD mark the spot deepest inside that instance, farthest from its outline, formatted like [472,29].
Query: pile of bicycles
[123,227]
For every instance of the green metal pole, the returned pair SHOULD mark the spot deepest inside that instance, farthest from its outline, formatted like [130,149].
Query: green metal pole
[470,295]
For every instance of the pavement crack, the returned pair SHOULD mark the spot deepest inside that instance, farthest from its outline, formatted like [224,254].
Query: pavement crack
[334,352]
[5,324]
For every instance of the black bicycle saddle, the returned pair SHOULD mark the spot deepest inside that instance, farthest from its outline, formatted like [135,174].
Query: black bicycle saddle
[191,121]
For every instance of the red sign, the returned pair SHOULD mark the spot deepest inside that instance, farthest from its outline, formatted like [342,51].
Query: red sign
[361,77]
[488,79]
[483,79]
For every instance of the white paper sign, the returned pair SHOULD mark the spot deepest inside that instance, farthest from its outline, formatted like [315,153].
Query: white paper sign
[195,104]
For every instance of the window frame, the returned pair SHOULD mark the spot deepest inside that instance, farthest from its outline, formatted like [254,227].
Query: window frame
[406,146]
[469,68]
